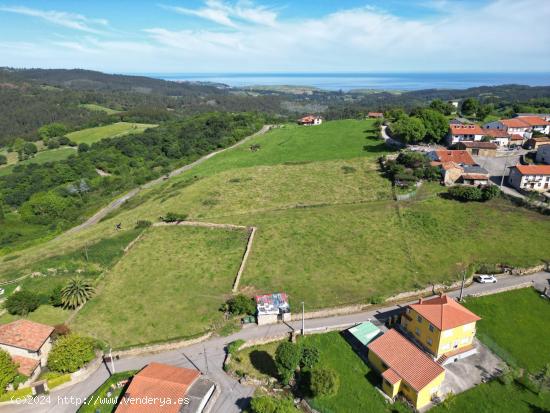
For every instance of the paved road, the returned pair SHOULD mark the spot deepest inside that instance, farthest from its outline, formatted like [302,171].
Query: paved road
[94,219]
[209,355]
[388,139]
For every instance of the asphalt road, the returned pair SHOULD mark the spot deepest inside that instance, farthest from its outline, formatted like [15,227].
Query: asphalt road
[208,356]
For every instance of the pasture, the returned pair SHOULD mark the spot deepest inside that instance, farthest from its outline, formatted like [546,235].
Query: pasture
[114,130]
[44,156]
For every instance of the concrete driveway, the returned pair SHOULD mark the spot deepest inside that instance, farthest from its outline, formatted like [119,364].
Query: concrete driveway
[469,372]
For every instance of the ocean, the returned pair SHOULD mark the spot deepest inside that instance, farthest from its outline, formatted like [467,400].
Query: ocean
[377,81]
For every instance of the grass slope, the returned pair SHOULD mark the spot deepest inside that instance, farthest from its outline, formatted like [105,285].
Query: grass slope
[42,157]
[92,135]
[99,108]
[169,285]
[515,326]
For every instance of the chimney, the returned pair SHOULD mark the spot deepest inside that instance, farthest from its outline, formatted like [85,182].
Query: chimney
[420,300]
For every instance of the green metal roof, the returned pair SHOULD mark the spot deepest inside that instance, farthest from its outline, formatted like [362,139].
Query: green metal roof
[365,332]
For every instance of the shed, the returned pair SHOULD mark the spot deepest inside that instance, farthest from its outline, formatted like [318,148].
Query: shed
[365,332]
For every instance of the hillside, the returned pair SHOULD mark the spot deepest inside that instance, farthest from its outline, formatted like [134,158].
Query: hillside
[329,233]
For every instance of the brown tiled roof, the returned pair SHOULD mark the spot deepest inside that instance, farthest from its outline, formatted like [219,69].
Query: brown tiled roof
[405,359]
[516,137]
[515,123]
[533,169]
[25,334]
[459,157]
[444,312]
[479,145]
[376,114]
[475,176]
[496,133]
[391,376]
[533,120]
[469,129]
[26,365]
[159,381]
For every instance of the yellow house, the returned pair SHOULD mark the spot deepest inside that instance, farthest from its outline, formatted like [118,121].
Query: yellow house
[442,326]
[405,369]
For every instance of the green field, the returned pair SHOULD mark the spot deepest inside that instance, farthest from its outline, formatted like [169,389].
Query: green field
[92,135]
[42,157]
[169,285]
[515,326]
[99,108]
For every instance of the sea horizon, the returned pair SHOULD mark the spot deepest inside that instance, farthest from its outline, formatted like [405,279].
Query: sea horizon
[372,81]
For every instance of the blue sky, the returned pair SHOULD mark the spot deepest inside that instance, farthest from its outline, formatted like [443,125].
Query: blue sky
[277,36]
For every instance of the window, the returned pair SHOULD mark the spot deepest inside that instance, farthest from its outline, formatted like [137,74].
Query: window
[417,331]
[419,318]
[430,342]
[431,328]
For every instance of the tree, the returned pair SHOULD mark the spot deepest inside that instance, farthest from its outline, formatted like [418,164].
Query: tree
[28,151]
[442,107]
[466,193]
[76,292]
[55,296]
[22,302]
[241,304]
[45,208]
[409,129]
[53,143]
[310,357]
[489,192]
[70,353]
[324,382]
[470,107]
[484,110]
[395,114]
[3,159]
[436,124]
[287,357]
[52,130]
[8,370]
[83,147]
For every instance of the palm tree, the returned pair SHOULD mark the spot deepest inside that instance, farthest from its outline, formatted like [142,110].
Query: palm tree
[76,292]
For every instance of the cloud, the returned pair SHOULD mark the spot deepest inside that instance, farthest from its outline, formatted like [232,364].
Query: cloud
[230,15]
[60,18]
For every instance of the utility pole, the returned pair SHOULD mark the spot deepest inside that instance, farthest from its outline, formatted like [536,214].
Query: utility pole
[504,170]
[303,318]
[462,286]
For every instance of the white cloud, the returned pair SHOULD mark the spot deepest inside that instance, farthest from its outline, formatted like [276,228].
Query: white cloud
[60,18]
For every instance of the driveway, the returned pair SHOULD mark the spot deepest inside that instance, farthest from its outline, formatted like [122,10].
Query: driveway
[208,356]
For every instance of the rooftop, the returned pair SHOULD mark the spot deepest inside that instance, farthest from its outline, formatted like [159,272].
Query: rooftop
[533,169]
[533,120]
[479,145]
[365,332]
[25,365]
[160,381]
[515,123]
[459,157]
[465,129]
[272,303]
[25,334]
[496,133]
[444,312]
[405,360]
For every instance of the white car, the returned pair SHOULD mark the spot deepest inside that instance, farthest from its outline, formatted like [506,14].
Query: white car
[484,279]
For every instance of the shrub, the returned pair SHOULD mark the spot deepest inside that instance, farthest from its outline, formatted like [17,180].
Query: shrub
[143,224]
[55,297]
[22,302]
[241,304]
[266,404]
[234,346]
[287,357]
[310,357]
[8,370]
[70,353]
[61,330]
[83,147]
[377,299]
[173,217]
[324,382]
[466,193]
[489,192]
[3,159]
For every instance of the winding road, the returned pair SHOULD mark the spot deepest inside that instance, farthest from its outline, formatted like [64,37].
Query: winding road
[99,215]
[209,355]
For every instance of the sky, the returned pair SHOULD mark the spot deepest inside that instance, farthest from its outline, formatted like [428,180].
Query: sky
[256,36]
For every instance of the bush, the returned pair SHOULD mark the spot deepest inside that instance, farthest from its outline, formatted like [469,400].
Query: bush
[8,370]
[61,330]
[489,192]
[466,193]
[266,404]
[234,346]
[83,147]
[173,217]
[55,297]
[310,357]
[287,357]
[241,304]
[22,302]
[3,159]
[143,224]
[324,382]
[70,353]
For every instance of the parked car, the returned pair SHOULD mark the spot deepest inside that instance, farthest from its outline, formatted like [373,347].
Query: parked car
[484,279]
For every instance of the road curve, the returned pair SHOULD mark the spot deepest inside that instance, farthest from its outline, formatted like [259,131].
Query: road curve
[99,215]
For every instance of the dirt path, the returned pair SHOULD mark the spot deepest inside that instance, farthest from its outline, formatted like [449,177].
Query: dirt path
[99,215]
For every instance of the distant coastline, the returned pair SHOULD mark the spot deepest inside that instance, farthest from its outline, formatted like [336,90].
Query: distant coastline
[371,81]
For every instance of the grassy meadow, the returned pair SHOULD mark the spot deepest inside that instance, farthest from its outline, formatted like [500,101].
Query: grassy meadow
[92,135]
[44,156]
[169,285]
[99,108]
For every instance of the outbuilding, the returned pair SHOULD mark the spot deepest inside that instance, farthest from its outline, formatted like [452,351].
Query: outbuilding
[488,149]
[272,308]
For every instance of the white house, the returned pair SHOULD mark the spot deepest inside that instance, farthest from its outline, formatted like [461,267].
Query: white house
[545,116]
[310,120]
[523,126]
[28,344]
[530,177]
[498,136]
[536,123]
[459,133]
[543,154]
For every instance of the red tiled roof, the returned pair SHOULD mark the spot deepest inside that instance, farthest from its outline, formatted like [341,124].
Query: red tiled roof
[516,137]
[25,334]
[391,376]
[159,381]
[514,123]
[496,133]
[475,176]
[405,359]
[465,129]
[444,312]
[26,365]
[533,120]
[459,157]
[533,169]
[375,114]
[480,145]
[542,139]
